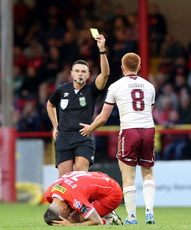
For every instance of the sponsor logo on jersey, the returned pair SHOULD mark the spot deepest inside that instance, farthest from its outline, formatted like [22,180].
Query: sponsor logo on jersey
[77,204]
[82,101]
[92,158]
[66,94]
[58,187]
[106,178]
[84,209]
[64,103]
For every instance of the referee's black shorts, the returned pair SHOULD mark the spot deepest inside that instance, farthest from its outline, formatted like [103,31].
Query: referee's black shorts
[68,145]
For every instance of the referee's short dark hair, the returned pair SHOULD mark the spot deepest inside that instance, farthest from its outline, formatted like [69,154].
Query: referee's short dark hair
[82,62]
[50,215]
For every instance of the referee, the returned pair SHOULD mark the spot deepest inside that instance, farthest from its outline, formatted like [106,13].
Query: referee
[75,103]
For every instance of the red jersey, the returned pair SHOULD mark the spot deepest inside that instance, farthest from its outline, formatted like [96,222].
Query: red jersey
[81,189]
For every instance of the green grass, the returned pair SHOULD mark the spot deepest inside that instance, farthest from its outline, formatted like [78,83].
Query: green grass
[28,217]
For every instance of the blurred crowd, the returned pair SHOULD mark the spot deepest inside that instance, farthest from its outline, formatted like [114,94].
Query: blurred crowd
[51,35]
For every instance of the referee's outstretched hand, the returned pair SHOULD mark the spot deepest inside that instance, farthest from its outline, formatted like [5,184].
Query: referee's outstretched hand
[86,131]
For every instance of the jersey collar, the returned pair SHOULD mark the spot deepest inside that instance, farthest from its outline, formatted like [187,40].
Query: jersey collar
[130,75]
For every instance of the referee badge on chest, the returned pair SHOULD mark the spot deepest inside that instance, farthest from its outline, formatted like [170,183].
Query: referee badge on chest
[63,103]
[82,101]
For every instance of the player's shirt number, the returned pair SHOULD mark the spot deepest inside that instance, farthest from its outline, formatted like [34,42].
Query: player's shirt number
[72,177]
[138,99]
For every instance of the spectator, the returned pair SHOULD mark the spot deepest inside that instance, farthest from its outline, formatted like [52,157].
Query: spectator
[119,23]
[70,26]
[52,41]
[179,68]
[159,82]
[36,59]
[185,109]
[90,6]
[69,48]
[16,118]
[157,28]
[53,12]
[106,11]
[64,75]
[19,58]
[119,11]
[37,13]
[162,110]
[18,79]
[87,46]
[36,31]
[166,66]
[30,85]
[19,35]
[52,65]
[34,48]
[132,31]
[54,27]
[69,8]
[82,19]
[102,26]
[168,90]
[21,11]
[171,48]
[29,119]
[121,45]
[43,95]
[180,83]
[175,149]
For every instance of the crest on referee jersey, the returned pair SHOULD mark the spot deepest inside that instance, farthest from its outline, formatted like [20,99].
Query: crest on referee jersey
[82,101]
[64,103]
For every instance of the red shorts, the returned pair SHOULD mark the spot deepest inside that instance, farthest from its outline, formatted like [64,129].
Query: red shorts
[110,202]
[137,146]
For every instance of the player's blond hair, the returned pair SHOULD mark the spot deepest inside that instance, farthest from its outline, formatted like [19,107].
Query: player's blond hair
[131,62]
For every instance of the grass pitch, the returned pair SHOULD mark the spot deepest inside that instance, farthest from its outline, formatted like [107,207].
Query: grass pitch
[28,217]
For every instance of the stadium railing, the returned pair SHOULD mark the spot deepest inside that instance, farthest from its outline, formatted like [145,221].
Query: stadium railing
[111,132]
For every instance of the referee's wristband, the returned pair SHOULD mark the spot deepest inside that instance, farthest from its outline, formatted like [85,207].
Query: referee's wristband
[103,52]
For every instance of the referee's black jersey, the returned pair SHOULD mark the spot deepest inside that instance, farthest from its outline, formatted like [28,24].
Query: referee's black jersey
[74,108]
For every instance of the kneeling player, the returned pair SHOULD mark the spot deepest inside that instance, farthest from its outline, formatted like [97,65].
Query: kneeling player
[82,198]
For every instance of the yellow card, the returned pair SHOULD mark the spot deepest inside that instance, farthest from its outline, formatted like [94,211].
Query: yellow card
[94,32]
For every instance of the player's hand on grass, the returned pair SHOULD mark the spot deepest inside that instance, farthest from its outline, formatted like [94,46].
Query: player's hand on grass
[86,131]
[63,221]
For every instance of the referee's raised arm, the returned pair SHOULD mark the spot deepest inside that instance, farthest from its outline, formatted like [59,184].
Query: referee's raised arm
[102,78]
